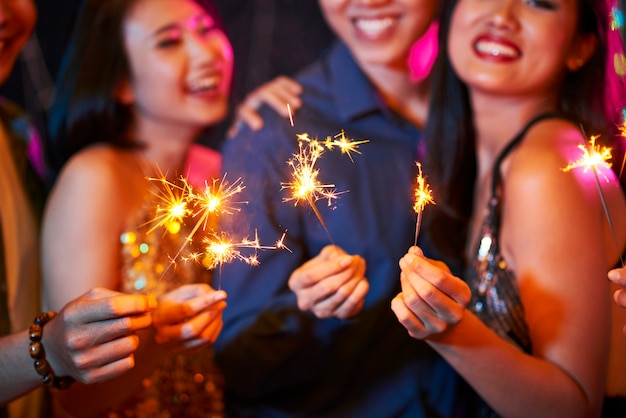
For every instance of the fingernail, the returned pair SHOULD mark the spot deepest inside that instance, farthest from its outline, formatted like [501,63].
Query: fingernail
[345,261]
[409,258]
[613,275]
[152,302]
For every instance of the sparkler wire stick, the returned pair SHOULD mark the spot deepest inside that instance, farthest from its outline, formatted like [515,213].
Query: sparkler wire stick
[290,114]
[319,217]
[607,213]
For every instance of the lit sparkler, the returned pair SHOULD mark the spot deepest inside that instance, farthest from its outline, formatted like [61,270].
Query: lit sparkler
[179,201]
[595,157]
[305,185]
[423,196]
[219,250]
[346,145]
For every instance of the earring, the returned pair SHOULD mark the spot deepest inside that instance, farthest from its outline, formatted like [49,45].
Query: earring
[576,65]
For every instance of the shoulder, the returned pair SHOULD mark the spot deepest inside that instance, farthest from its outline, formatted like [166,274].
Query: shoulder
[543,181]
[95,173]
[98,163]
[542,159]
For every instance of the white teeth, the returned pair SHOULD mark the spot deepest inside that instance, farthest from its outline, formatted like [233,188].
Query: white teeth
[374,26]
[204,84]
[496,49]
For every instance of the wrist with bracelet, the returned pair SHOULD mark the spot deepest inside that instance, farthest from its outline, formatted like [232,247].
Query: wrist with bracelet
[37,353]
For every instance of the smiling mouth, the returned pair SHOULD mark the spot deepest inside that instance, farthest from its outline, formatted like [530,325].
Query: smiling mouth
[496,49]
[204,84]
[373,27]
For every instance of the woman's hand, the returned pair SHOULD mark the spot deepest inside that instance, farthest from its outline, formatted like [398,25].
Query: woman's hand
[189,317]
[92,338]
[276,93]
[432,299]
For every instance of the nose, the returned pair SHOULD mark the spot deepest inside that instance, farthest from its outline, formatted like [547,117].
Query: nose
[504,15]
[211,47]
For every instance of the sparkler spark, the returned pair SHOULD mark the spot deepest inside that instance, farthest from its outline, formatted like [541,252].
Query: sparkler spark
[174,199]
[305,185]
[423,196]
[344,144]
[219,250]
[180,201]
[595,157]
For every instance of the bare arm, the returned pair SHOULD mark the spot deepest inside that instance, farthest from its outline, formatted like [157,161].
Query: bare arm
[556,244]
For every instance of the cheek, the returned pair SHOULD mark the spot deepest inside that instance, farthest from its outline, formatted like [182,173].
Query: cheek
[25,11]
[456,52]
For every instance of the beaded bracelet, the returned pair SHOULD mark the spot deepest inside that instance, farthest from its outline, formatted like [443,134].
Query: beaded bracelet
[35,348]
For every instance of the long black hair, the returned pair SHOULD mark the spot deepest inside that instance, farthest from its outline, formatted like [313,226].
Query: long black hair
[450,134]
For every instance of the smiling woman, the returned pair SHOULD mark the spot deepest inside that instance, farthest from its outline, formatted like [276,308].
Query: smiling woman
[142,79]
[529,323]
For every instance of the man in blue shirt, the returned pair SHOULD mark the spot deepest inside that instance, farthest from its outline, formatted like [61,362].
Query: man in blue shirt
[310,332]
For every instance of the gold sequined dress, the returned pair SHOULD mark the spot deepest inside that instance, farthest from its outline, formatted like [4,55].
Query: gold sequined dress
[184,385]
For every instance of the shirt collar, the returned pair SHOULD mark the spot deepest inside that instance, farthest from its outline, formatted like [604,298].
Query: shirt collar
[353,93]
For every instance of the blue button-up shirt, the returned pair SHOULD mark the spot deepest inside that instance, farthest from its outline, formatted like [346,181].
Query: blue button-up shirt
[277,360]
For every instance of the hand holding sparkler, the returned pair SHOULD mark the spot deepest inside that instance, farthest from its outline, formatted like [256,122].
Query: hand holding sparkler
[332,284]
[432,298]
[423,196]
[189,317]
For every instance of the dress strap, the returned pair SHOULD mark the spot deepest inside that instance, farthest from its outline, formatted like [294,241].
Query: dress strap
[495,178]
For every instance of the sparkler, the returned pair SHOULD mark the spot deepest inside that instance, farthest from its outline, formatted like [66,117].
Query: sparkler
[219,249]
[290,114]
[179,201]
[595,157]
[423,196]
[344,144]
[305,185]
